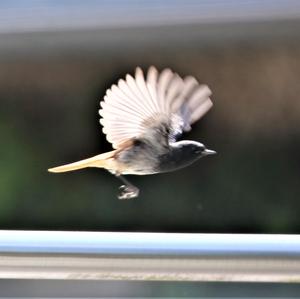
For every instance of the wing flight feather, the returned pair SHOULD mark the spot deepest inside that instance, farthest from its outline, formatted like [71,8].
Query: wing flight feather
[135,103]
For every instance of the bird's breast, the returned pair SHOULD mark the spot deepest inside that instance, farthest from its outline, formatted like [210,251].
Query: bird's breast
[175,159]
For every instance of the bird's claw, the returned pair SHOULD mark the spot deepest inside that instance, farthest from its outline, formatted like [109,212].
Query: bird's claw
[128,192]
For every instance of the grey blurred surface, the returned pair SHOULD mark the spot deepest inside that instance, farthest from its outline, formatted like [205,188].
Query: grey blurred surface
[32,15]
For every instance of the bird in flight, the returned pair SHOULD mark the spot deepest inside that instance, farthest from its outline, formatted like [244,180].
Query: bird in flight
[143,118]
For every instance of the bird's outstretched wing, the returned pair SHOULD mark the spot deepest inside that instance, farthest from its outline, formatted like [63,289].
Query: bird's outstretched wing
[134,103]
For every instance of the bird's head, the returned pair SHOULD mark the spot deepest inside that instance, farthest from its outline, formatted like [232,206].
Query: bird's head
[189,151]
[195,149]
[182,154]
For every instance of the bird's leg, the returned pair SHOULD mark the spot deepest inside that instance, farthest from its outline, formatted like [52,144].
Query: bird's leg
[128,190]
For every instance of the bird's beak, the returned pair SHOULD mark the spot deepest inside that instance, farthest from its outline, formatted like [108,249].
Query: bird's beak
[208,152]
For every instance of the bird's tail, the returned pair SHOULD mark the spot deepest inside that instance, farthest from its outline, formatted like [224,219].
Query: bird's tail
[101,161]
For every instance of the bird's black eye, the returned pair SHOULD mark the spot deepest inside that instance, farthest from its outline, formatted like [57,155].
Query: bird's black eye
[137,142]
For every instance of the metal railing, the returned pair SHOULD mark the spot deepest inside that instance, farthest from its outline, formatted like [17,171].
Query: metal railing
[149,256]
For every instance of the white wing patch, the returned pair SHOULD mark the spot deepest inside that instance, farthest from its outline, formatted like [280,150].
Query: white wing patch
[130,106]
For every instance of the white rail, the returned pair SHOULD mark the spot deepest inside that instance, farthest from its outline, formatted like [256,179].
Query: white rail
[149,256]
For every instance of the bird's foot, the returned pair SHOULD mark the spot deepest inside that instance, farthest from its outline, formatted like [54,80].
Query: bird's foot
[128,192]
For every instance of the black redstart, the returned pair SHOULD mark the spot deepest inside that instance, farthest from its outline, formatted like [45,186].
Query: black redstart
[142,119]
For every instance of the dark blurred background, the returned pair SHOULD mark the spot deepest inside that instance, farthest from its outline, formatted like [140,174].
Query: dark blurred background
[58,58]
